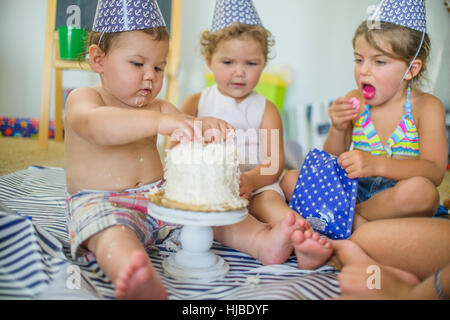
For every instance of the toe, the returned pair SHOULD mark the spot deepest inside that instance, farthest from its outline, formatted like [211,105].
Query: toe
[303,224]
[308,234]
[297,237]
[321,241]
[290,218]
[315,236]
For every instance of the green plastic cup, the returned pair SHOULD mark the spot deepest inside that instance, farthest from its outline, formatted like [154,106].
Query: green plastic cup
[72,45]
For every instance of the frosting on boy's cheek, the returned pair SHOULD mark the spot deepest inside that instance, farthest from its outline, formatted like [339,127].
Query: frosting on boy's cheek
[140,100]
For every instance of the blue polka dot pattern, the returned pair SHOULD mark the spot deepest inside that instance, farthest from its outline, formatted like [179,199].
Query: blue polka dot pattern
[407,13]
[325,196]
[127,15]
[227,12]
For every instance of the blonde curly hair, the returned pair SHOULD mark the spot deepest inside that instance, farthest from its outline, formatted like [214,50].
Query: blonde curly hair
[210,41]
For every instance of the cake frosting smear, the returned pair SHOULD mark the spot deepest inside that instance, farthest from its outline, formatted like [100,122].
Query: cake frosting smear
[203,177]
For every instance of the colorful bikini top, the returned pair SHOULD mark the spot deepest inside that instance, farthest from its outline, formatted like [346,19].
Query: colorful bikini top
[403,142]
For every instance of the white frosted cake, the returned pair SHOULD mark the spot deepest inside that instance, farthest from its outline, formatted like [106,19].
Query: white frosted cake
[202,177]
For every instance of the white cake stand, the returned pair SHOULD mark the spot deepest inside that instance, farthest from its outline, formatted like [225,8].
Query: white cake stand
[195,261]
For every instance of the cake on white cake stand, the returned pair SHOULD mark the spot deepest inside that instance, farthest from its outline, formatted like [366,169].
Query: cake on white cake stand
[195,260]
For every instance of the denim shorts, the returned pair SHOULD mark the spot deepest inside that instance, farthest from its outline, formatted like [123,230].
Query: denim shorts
[368,187]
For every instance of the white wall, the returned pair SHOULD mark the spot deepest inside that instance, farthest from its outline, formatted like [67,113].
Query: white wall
[21,54]
[313,38]
[22,34]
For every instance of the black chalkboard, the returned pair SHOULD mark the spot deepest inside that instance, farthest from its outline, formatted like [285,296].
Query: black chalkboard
[81,13]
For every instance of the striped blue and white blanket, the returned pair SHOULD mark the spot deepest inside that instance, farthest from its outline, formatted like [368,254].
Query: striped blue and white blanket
[35,260]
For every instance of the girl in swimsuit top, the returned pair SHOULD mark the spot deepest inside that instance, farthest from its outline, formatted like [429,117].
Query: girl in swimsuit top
[376,129]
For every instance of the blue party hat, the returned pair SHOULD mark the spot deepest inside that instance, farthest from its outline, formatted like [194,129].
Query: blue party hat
[127,15]
[227,12]
[407,13]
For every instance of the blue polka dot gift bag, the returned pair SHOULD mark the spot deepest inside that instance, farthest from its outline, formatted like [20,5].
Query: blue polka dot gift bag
[325,196]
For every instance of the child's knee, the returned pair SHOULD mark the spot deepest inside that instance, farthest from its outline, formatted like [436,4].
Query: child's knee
[419,195]
[103,239]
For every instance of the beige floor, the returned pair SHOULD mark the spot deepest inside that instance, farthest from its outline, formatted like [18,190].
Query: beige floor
[20,153]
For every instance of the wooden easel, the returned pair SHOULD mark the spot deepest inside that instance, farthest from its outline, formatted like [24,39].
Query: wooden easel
[53,61]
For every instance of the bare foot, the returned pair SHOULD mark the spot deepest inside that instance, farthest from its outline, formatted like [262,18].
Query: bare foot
[302,223]
[279,238]
[348,253]
[311,249]
[139,281]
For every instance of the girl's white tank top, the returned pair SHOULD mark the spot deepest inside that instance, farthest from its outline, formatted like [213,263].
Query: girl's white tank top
[245,117]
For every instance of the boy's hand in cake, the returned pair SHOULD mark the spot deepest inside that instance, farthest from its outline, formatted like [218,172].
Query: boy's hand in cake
[179,127]
[213,129]
[245,186]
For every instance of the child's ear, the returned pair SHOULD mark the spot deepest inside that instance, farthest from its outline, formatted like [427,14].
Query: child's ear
[415,69]
[96,56]
[208,63]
